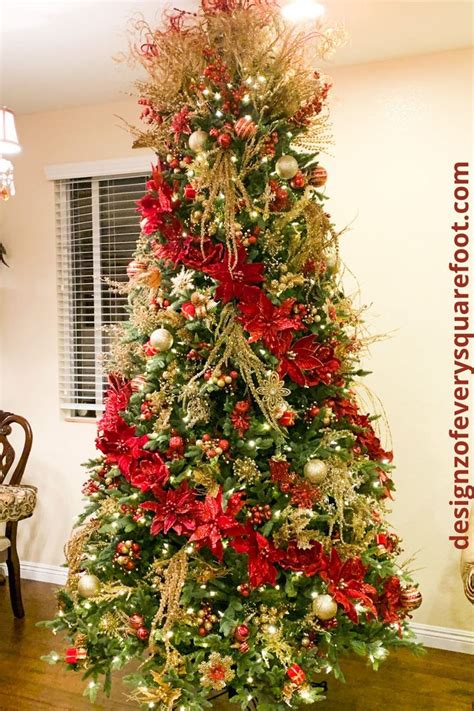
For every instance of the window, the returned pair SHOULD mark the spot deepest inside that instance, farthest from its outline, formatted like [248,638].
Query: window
[97,227]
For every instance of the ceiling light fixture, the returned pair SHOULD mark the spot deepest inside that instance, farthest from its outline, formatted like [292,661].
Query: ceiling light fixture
[298,10]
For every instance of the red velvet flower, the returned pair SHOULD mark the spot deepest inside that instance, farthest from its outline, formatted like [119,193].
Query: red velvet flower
[308,560]
[235,280]
[149,472]
[346,584]
[306,361]
[189,251]
[156,204]
[116,400]
[213,524]
[174,509]
[180,123]
[261,553]
[266,322]
[388,603]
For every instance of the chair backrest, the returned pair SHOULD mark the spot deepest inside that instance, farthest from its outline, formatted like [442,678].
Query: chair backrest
[7,452]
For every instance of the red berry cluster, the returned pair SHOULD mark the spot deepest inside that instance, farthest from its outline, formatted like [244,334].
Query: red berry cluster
[206,619]
[270,143]
[149,114]
[260,514]
[175,446]
[126,553]
[213,446]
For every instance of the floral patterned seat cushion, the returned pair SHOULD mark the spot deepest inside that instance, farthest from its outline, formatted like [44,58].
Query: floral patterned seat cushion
[17,502]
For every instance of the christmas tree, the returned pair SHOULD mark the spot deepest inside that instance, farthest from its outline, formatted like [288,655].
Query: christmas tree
[235,537]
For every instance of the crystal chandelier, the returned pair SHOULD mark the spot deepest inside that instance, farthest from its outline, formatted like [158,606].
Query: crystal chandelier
[9,145]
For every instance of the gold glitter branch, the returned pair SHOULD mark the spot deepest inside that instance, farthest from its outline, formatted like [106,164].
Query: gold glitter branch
[169,609]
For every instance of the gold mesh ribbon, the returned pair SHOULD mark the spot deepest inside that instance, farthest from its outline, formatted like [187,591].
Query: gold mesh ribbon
[169,610]
[265,386]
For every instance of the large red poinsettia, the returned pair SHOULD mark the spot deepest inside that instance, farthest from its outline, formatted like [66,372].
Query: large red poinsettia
[266,322]
[236,281]
[213,524]
[261,553]
[346,584]
[174,509]
[306,361]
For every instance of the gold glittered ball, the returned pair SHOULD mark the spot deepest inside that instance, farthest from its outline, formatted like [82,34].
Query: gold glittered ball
[315,470]
[324,607]
[332,260]
[161,339]
[197,141]
[88,585]
[286,167]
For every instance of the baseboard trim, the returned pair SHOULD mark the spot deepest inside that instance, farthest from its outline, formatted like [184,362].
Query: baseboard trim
[452,640]
[42,573]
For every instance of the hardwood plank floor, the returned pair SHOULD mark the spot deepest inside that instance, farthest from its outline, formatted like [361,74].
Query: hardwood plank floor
[438,681]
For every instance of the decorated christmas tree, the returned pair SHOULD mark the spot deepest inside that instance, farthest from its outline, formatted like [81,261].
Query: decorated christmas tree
[235,537]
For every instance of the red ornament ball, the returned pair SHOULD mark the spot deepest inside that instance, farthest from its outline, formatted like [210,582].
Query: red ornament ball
[410,598]
[189,192]
[318,176]
[224,140]
[245,128]
[176,442]
[241,633]
[244,647]
[134,267]
[138,383]
[136,620]
[142,634]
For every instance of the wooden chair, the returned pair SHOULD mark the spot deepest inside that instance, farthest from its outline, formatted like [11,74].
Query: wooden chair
[17,501]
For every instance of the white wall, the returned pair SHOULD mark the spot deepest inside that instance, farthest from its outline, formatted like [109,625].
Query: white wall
[399,127]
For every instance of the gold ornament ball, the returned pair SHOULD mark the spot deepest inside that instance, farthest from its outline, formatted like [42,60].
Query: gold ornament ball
[197,141]
[161,339]
[410,598]
[315,470]
[324,607]
[88,585]
[287,167]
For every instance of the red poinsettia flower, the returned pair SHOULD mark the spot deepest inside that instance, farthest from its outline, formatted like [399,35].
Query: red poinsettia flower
[149,472]
[174,509]
[308,560]
[236,280]
[265,321]
[121,445]
[189,250]
[213,524]
[367,439]
[346,584]
[388,603]
[306,361]
[261,553]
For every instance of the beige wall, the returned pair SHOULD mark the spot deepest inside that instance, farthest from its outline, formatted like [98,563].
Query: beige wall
[399,126]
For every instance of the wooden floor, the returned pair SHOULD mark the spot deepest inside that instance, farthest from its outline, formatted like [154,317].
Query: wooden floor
[438,681]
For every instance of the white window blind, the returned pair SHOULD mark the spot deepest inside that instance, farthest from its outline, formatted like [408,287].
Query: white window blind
[97,228]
